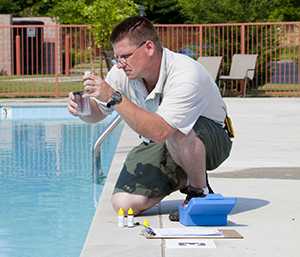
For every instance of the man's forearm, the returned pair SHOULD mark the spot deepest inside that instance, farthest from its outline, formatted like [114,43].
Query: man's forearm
[145,123]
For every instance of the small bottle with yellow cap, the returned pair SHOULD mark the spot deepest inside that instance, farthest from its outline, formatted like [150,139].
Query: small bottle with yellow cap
[121,218]
[146,223]
[130,218]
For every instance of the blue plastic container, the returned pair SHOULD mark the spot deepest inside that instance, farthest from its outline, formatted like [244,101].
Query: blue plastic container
[211,210]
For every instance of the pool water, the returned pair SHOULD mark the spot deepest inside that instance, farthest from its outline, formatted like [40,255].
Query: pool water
[47,197]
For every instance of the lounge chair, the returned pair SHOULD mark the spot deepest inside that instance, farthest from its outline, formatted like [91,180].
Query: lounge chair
[242,69]
[212,64]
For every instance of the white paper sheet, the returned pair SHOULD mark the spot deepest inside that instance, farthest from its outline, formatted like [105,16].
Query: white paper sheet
[189,243]
[187,232]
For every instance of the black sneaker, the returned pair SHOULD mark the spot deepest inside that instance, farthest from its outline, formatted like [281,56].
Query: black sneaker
[191,192]
[184,190]
[174,216]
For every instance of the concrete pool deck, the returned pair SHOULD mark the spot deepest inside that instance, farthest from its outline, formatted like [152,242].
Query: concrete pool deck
[263,172]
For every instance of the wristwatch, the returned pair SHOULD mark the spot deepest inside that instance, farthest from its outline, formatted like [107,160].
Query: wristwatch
[116,98]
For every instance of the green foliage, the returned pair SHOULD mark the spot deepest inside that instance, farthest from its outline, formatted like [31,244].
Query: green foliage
[103,15]
[8,6]
[285,10]
[163,11]
[257,10]
[222,11]
[69,11]
[25,7]
[36,7]
[217,11]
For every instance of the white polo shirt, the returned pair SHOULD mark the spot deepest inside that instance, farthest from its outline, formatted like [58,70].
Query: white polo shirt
[184,92]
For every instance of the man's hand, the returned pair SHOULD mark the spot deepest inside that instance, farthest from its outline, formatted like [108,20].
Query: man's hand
[96,87]
[72,105]
[93,86]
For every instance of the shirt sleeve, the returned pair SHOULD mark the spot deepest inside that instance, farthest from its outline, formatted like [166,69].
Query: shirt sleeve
[116,78]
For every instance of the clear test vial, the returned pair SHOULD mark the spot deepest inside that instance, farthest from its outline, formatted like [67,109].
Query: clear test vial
[84,108]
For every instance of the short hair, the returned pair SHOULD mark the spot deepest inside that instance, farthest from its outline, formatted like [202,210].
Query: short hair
[137,29]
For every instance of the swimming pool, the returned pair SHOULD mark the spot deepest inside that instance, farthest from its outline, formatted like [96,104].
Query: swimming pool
[47,195]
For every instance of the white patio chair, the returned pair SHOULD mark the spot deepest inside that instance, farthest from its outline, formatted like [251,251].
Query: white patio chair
[242,69]
[212,64]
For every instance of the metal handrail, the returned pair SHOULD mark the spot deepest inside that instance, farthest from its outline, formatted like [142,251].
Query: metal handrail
[96,151]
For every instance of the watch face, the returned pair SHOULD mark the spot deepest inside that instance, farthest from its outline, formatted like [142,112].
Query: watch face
[116,98]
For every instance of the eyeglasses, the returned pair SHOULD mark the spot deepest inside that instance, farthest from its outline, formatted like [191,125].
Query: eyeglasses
[122,59]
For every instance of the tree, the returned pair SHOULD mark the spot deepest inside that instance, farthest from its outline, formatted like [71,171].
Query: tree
[163,11]
[203,11]
[69,12]
[9,6]
[105,14]
[102,15]
[26,7]
[222,11]
[286,10]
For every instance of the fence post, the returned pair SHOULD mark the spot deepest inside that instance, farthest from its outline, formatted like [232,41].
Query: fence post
[242,38]
[67,54]
[242,83]
[57,59]
[200,40]
[18,55]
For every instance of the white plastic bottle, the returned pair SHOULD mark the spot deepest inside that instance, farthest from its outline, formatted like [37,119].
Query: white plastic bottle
[121,218]
[130,218]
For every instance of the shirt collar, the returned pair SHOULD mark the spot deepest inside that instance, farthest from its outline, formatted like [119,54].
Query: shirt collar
[159,87]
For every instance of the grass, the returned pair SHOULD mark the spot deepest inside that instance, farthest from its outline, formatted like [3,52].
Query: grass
[280,87]
[276,90]
[13,88]
[49,85]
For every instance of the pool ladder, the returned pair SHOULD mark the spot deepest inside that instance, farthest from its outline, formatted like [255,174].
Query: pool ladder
[96,151]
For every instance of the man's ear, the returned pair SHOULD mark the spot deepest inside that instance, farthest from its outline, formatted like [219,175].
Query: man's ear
[150,47]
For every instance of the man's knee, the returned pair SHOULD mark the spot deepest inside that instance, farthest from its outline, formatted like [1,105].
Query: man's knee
[138,203]
[181,146]
[180,140]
